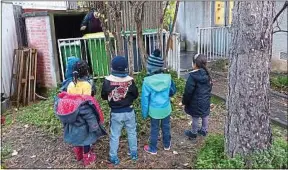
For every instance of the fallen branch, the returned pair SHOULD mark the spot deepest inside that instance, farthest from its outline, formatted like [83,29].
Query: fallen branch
[40,97]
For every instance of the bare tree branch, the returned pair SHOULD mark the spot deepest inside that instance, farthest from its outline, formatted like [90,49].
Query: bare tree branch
[280,12]
[279,31]
[278,28]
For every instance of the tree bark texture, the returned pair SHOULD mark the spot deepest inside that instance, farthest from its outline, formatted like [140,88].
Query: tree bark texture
[115,10]
[130,46]
[160,30]
[247,126]
[138,17]
[131,54]
[103,13]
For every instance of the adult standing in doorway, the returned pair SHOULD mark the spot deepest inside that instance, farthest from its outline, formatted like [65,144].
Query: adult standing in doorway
[90,24]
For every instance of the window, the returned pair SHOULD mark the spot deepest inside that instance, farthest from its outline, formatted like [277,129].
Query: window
[219,13]
[231,5]
[223,12]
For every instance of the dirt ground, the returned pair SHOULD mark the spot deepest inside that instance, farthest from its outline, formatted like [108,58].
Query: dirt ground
[37,149]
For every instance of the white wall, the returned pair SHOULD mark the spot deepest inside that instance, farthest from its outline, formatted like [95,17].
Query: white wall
[192,15]
[54,5]
[8,44]
[280,41]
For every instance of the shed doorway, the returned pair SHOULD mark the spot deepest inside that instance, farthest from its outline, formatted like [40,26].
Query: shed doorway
[67,26]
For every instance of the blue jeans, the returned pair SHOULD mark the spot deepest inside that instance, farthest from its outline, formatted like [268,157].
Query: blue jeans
[117,121]
[155,127]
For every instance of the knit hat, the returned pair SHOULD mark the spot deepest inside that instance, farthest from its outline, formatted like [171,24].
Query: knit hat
[119,63]
[155,62]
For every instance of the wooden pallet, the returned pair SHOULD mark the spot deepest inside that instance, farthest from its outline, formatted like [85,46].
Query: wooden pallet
[32,75]
[25,64]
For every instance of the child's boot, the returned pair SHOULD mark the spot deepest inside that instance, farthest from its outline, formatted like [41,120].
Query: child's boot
[202,132]
[89,158]
[190,134]
[78,150]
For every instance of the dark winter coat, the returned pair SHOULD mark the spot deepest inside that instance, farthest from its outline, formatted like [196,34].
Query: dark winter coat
[197,94]
[120,93]
[82,118]
[93,24]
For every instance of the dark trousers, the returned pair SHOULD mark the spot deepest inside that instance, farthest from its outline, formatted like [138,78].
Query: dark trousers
[155,127]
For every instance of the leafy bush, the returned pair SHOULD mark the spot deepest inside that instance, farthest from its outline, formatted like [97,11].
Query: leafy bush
[212,156]
[279,80]
[6,151]
[169,15]
[41,114]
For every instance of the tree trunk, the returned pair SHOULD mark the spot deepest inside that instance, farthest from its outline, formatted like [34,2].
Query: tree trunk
[138,16]
[118,28]
[107,38]
[131,54]
[160,36]
[103,17]
[247,126]
[170,33]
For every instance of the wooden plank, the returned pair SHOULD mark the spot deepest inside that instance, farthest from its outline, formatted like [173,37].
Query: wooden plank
[19,77]
[12,72]
[25,76]
[35,74]
[29,58]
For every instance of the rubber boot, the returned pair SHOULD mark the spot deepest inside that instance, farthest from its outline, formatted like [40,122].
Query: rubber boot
[89,158]
[78,150]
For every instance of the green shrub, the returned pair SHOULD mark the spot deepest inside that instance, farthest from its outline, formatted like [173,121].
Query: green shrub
[41,114]
[6,151]
[275,157]
[212,156]
[279,81]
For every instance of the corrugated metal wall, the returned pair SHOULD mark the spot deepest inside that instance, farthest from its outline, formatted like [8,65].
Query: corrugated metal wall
[9,43]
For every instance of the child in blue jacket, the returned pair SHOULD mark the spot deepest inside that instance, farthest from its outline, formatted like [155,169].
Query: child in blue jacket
[157,89]
[196,97]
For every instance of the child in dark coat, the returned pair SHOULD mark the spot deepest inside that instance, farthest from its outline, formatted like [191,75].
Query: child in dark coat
[80,114]
[196,97]
[120,90]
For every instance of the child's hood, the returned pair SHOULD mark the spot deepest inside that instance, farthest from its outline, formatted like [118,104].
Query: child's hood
[67,106]
[158,82]
[118,79]
[200,75]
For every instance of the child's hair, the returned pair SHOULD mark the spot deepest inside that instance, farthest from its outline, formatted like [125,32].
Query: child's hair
[80,70]
[201,61]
